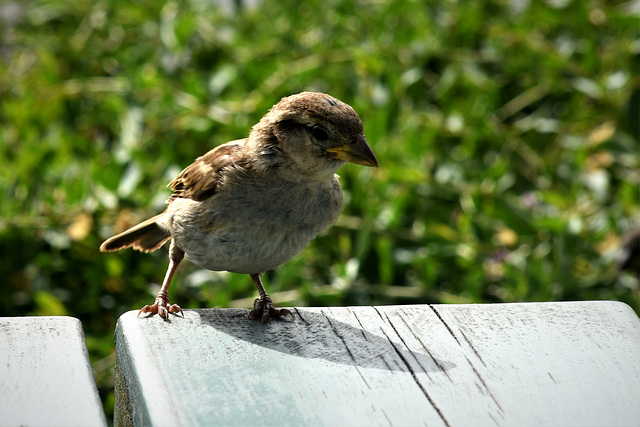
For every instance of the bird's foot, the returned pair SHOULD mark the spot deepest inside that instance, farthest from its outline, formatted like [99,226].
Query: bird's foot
[263,309]
[162,307]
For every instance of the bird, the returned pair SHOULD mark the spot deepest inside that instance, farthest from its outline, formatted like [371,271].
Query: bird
[249,205]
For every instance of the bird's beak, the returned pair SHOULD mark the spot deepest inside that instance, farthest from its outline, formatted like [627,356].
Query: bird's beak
[358,152]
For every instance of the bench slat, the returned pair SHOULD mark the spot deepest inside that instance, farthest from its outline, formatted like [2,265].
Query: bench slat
[572,363]
[46,374]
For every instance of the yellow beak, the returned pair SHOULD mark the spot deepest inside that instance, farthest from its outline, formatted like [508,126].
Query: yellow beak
[357,152]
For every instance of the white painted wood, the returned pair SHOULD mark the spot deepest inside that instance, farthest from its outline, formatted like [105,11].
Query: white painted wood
[45,374]
[572,363]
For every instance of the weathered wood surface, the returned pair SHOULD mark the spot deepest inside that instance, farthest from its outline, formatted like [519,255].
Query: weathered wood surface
[45,374]
[504,364]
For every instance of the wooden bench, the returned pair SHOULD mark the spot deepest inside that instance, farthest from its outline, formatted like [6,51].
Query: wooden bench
[570,363]
[45,374]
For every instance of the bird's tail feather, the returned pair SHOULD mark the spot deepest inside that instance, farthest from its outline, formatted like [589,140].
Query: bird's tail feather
[146,237]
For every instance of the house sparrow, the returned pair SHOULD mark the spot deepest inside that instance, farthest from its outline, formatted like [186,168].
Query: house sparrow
[250,205]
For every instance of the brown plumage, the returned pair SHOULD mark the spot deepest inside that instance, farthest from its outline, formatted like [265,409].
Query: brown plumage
[145,237]
[249,205]
[200,180]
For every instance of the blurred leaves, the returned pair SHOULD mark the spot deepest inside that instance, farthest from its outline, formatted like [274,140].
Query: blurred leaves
[507,133]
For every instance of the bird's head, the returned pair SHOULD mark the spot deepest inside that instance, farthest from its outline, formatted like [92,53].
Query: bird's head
[316,133]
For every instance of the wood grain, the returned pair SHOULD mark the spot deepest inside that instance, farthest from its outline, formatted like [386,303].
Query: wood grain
[503,364]
[45,374]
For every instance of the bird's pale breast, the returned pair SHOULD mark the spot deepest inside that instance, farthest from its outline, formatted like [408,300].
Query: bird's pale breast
[253,226]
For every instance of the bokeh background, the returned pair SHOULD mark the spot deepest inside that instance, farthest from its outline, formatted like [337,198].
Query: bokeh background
[507,135]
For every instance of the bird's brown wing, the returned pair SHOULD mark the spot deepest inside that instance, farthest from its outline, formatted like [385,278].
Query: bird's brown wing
[201,179]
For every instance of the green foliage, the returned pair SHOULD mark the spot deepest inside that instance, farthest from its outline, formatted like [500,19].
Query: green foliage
[507,134]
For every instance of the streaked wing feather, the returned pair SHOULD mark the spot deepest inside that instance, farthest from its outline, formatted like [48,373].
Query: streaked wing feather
[201,179]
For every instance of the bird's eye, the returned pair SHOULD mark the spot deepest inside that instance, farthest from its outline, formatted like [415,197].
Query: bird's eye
[319,133]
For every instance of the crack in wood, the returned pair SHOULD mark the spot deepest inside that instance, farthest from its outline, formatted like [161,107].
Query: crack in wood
[444,323]
[435,361]
[417,381]
[385,362]
[494,420]
[484,384]
[359,323]
[472,346]
[406,346]
[386,416]
[300,315]
[379,314]
[344,342]
[411,371]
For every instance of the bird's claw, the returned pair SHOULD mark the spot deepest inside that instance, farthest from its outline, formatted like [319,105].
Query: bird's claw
[162,307]
[263,308]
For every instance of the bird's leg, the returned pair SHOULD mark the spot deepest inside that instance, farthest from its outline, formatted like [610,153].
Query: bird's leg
[263,307]
[162,306]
